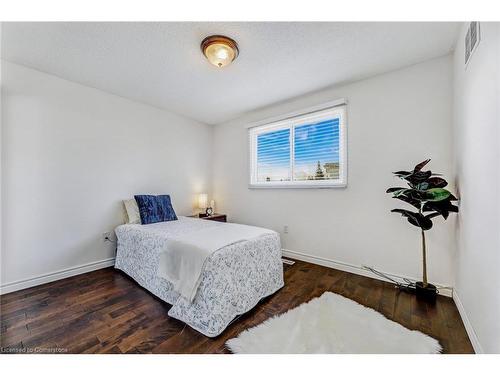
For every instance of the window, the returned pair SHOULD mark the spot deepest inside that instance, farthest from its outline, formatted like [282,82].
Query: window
[306,150]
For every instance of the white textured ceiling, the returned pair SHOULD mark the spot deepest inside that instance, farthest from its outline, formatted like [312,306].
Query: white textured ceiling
[161,63]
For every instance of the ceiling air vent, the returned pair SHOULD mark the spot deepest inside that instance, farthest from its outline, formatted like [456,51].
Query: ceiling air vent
[472,39]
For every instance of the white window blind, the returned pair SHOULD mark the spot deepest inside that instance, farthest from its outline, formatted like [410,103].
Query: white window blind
[273,156]
[306,150]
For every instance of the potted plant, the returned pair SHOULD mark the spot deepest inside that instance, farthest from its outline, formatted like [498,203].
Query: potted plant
[426,192]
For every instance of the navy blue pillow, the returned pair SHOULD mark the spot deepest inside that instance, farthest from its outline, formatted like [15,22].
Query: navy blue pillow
[166,210]
[154,209]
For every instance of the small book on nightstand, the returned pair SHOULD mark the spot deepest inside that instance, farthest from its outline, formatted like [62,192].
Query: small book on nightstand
[213,217]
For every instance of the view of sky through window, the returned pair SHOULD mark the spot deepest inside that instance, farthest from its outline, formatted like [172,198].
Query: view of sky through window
[273,156]
[316,153]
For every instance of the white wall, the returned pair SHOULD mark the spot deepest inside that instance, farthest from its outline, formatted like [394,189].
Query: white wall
[70,154]
[395,120]
[477,165]
[1,153]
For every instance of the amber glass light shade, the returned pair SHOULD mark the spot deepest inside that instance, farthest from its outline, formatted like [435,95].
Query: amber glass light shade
[219,50]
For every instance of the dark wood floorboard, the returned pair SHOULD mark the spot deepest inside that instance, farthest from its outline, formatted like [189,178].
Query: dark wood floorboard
[107,312]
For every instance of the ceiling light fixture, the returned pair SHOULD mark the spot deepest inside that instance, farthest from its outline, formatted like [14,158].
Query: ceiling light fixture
[219,50]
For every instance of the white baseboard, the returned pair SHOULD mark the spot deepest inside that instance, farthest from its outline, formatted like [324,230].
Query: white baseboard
[468,326]
[347,267]
[57,275]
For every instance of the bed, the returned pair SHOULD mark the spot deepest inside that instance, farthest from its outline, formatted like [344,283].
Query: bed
[232,281]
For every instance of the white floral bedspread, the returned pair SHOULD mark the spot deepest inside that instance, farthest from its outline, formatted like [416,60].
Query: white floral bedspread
[235,278]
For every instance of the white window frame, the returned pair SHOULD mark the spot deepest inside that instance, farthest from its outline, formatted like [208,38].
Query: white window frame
[304,117]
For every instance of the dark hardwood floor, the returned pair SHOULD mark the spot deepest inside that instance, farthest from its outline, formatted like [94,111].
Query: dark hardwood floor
[107,312]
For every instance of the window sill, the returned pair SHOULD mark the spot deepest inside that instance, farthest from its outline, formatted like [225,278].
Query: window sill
[298,186]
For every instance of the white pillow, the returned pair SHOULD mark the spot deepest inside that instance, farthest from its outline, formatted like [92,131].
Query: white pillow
[132,211]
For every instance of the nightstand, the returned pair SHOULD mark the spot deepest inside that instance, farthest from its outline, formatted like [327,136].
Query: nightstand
[213,217]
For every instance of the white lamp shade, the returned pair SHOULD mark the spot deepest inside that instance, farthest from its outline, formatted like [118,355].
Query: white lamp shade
[202,200]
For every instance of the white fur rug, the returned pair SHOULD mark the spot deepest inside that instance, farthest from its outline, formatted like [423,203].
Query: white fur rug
[332,324]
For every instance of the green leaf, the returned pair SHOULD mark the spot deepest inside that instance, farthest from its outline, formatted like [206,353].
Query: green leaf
[419,166]
[402,174]
[415,218]
[443,207]
[416,194]
[436,194]
[414,202]
[437,182]
[400,192]
[394,189]
[418,177]
[422,186]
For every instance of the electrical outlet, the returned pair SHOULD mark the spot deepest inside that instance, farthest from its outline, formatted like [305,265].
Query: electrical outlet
[107,236]
[285,229]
